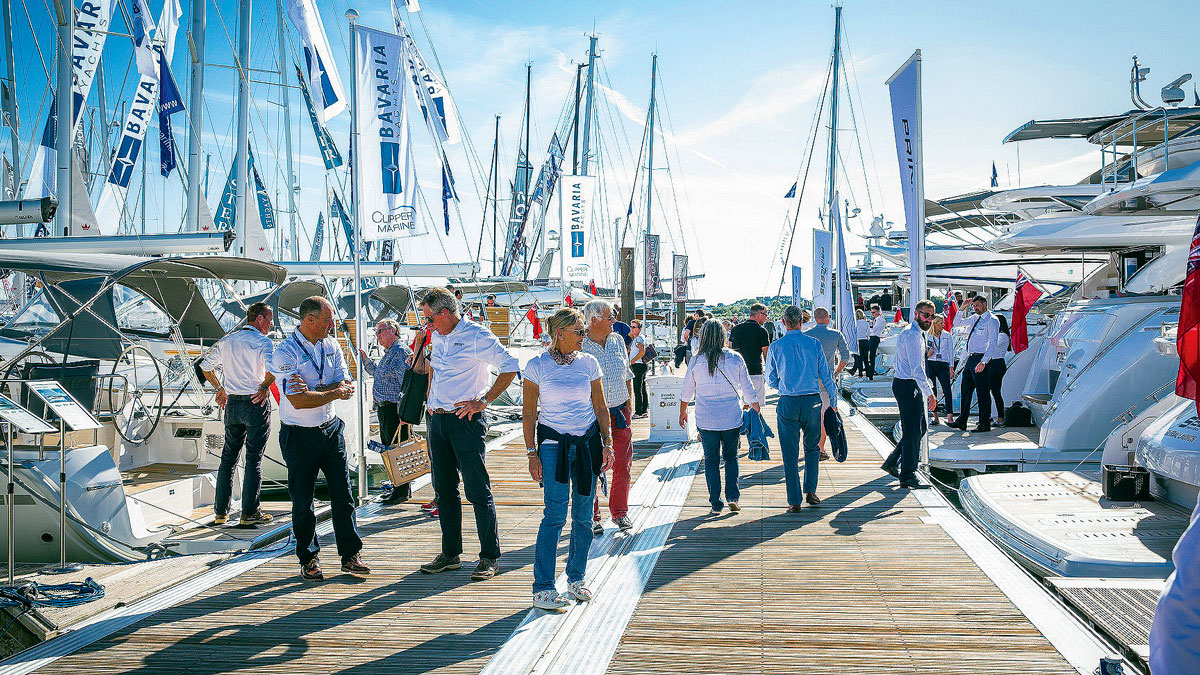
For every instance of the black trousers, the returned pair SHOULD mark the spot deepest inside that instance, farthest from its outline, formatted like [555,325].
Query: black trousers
[308,450]
[939,374]
[389,423]
[973,382]
[995,372]
[246,423]
[872,352]
[641,397]
[912,426]
[456,446]
[860,359]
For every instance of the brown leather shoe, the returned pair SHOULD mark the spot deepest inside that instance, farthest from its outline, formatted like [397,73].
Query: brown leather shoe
[813,499]
[354,565]
[794,508]
[311,571]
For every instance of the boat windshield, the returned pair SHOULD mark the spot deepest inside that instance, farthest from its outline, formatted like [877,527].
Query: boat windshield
[138,314]
[36,318]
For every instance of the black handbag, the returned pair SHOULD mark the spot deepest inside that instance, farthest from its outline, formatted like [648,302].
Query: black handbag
[413,390]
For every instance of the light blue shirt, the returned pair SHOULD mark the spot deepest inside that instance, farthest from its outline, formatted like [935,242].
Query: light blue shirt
[317,365]
[796,363]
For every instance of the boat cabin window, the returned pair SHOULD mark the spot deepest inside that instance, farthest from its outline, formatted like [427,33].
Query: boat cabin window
[136,313]
[36,318]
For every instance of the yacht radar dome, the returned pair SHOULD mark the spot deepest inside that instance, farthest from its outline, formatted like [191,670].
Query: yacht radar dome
[1173,93]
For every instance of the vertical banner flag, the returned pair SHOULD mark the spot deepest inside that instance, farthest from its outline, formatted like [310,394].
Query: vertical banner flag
[137,121]
[534,321]
[797,285]
[329,151]
[1026,295]
[8,180]
[92,25]
[434,98]
[328,95]
[577,225]
[904,88]
[1187,340]
[822,286]
[448,192]
[679,274]
[652,280]
[382,153]
[226,215]
[169,100]
[318,239]
[338,212]
[844,301]
[516,214]
[140,25]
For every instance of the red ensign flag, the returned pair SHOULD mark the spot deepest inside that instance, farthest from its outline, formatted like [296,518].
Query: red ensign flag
[1187,384]
[951,309]
[1027,294]
[534,321]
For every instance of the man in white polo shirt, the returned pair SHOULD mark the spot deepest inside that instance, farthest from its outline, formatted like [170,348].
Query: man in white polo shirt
[313,373]
[458,392]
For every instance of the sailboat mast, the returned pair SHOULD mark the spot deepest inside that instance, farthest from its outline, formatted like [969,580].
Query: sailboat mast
[11,77]
[649,180]
[294,248]
[195,113]
[587,109]
[241,212]
[833,113]
[495,191]
[575,123]
[65,109]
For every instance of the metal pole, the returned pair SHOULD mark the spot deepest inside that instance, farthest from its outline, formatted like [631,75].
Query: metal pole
[649,180]
[587,110]
[359,414]
[10,75]
[575,123]
[833,111]
[287,132]
[65,110]
[495,192]
[63,567]
[12,560]
[195,113]
[241,209]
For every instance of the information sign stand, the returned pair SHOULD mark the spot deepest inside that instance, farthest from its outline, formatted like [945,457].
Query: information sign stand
[13,415]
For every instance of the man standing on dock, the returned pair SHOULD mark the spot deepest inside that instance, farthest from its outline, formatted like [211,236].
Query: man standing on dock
[608,347]
[878,325]
[750,339]
[244,392]
[980,343]
[909,383]
[833,346]
[796,367]
[313,371]
[458,394]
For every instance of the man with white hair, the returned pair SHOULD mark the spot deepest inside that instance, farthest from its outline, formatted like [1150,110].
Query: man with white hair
[617,379]
[833,345]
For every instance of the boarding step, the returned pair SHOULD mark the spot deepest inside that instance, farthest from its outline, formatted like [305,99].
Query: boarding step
[1122,609]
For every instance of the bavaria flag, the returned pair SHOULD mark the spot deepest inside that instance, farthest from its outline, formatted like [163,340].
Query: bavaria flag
[1187,341]
[791,194]
[447,191]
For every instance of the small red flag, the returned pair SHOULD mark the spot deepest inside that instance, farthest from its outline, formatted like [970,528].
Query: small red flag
[1187,341]
[951,309]
[1026,295]
[899,316]
[592,287]
[570,302]
[534,321]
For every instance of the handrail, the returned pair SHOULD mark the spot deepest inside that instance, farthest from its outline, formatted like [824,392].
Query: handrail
[1128,415]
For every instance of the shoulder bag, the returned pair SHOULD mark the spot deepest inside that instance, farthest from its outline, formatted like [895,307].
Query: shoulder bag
[413,388]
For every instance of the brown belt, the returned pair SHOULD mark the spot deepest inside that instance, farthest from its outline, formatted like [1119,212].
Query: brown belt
[442,411]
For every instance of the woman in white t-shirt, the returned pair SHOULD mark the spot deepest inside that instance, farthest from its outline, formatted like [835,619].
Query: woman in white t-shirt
[569,441]
[862,329]
[996,367]
[719,381]
[639,365]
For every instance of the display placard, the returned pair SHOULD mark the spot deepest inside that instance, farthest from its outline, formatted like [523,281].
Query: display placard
[22,419]
[76,417]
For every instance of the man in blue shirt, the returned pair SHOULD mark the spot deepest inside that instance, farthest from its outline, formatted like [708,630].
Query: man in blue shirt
[795,366]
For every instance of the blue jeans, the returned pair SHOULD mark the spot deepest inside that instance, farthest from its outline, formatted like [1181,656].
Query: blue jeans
[246,423]
[554,516]
[721,445]
[796,415]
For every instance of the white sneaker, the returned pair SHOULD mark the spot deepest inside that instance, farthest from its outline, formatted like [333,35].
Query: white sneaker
[577,590]
[550,601]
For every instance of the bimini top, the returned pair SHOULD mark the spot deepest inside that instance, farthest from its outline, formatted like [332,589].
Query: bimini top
[56,267]
[1150,131]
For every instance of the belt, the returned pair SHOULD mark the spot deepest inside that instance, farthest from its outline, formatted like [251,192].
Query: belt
[442,411]
[239,397]
[320,427]
[979,354]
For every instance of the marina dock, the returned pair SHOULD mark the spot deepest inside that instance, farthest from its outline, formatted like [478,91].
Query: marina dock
[876,579]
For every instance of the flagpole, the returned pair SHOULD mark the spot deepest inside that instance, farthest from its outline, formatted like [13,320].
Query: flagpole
[359,415]
[294,247]
[65,109]
[195,114]
[243,129]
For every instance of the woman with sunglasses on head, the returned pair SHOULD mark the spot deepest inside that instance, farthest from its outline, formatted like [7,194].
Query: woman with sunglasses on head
[939,360]
[569,441]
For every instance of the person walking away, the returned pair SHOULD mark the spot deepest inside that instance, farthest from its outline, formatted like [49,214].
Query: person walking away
[939,360]
[837,355]
[313,372]
[459,392]
[243,357]
[981,340]
[387,374]
[639,366]
[911,387]
[694,340]
[997,367]
[569,441]
[878,326]
[623,329]
[718,380]
[608,347]
[796,367]
[863,336]
[750,339]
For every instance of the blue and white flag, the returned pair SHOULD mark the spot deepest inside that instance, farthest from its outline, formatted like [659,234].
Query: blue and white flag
[577,196]
[318,239]
[169,102]
[791,194]
[329,97]
[550,172]
[431,93]
[844,302]
[140,25]
[995,176]
[448,192]
[385,250]
[382,157]
[904,88]
[338,212]
[329,151]
[797,275]
[226,217]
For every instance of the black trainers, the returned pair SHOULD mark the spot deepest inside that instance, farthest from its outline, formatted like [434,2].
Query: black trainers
[311,571]
[441,563]
[597,528]
[486,569]
[355,565]
[624,523]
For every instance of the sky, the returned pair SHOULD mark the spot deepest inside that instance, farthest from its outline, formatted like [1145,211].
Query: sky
[739,84]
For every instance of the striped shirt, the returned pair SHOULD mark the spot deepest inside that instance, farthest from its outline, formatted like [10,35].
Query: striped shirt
[388,372]
[614,367]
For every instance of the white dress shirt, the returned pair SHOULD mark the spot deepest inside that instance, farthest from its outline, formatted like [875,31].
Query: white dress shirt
[1001,347]
[878,326]
[909,363]
[718,407]
[460,363]
[864,329]
[943,347]
[982,335]
[317,365]
[564,391]
[242,356]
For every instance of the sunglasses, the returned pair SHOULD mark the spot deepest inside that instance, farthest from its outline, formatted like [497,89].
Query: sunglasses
[925,315]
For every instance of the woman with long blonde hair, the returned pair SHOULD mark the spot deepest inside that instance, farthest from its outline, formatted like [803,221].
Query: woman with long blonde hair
[939,363]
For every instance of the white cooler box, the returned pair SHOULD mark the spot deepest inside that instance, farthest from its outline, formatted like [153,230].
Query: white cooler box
[664,410]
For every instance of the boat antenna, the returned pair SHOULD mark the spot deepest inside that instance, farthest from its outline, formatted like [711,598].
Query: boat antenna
[1137,75]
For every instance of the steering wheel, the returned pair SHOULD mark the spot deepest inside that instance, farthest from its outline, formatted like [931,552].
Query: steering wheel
[140,408]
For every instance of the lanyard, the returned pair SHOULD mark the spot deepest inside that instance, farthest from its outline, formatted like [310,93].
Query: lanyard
[311,355]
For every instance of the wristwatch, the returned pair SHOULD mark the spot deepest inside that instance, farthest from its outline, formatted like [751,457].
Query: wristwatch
[531,452]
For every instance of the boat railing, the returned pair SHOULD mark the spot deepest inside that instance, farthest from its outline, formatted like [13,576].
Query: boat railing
[1117,167]
[1136,409]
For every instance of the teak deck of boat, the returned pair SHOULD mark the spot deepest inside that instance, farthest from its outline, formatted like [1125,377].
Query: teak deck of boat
[866,583]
